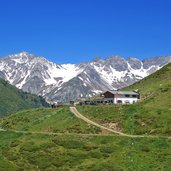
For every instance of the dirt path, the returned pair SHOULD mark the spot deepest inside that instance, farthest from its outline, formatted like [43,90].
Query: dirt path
[53,133]
[79,115]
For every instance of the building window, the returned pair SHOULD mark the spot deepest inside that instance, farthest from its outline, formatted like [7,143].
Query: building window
[134,96]
[127,95]
[119,101]
[127,102]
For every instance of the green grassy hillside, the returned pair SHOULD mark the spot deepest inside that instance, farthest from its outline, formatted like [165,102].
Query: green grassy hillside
[155,89]
[95,153]
[150,116]
[13,99]
[47,120]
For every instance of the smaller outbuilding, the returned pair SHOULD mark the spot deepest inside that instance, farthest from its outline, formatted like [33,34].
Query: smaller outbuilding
[121,97]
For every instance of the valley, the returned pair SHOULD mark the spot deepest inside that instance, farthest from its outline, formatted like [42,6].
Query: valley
[91,137]
[85,85]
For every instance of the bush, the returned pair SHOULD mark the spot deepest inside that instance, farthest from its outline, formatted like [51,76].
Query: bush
[95,154]
[107,149]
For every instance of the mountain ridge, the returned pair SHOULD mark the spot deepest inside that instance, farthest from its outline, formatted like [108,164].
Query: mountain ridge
[55,82]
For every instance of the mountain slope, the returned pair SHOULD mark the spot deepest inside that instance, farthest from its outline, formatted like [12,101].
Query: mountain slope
[85,84]
[37,75]
[152,115]
[155,89]
[13,99]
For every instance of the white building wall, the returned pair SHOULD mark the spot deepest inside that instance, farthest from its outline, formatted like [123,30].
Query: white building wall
[124,100]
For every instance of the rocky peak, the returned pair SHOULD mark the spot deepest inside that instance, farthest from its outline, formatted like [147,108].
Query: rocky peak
[116,62]
[134,63]
[159,61]
[24,53]
[38,75]
[96,59]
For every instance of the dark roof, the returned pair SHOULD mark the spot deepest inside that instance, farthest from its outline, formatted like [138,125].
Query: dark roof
[123,92]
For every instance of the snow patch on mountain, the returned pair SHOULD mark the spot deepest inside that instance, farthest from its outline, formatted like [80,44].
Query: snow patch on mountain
[62,82]
[138,72]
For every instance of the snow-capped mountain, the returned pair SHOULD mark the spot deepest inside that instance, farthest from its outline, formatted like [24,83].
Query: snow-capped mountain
[64,82]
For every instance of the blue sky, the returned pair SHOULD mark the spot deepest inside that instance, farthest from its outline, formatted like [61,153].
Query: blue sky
[78,30]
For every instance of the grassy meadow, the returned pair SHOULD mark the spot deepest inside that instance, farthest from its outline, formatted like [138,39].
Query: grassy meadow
[59,120]
[73,152]
[132,119]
